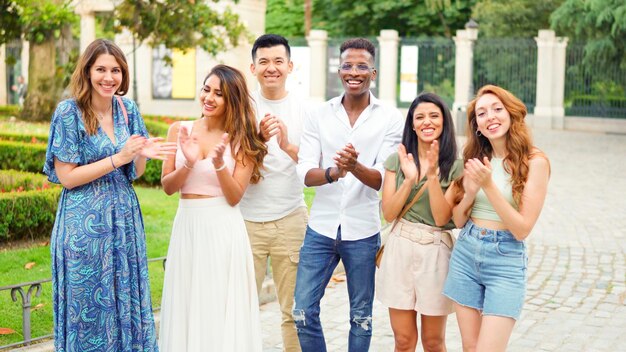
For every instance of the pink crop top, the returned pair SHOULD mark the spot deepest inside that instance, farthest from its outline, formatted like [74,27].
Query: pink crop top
[202,178]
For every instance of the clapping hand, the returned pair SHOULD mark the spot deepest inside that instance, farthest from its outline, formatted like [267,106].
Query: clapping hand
[189,146]
[156,149]
[132,148]
[478,173]
[432,156]
[407,164]
[218,151]
[346,159]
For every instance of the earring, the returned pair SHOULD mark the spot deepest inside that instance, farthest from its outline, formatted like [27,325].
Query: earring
[478,134]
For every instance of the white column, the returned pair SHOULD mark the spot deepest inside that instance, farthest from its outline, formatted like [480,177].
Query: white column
[3,76]
[87,10]
[558,83]
[25,58]
[543,104]
[318,42]
[388,66]
[463,68]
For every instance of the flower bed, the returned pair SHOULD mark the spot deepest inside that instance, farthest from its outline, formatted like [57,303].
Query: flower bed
[28,205]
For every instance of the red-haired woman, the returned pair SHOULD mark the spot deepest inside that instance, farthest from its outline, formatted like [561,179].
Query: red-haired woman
[503,189]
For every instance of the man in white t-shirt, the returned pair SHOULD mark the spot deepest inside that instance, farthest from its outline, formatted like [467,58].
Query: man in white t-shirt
[274,209]
[344,145]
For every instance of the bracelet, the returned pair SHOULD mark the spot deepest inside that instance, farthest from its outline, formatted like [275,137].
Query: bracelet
[221,167]
[327,175]
[112,163]
[187,166]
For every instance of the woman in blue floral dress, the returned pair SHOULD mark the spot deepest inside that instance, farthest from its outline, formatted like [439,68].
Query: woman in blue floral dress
[98,145]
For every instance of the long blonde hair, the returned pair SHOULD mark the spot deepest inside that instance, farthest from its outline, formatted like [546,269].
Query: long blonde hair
[80,83]
[239,117]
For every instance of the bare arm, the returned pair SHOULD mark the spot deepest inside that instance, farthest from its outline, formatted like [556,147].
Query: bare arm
[394,199]
[234,186]
[71,175]
[521,222]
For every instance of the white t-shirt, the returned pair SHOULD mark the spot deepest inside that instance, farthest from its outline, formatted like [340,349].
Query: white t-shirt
[280,191]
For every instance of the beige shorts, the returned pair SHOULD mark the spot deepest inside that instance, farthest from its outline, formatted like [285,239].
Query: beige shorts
[413,269]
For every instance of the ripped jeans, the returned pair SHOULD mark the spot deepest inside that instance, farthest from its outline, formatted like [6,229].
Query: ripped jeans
[319,256]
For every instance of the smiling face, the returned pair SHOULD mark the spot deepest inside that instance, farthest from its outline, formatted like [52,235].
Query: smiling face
[105,76]
[356,71]
[211,98]
[492,118]
[427,122]
[271,67]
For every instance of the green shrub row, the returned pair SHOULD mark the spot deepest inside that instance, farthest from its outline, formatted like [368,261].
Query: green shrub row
[12,180]
[29,210]
[156,128]
[25,138]
[31,157]
[22,156]
[591,100]
[9,110]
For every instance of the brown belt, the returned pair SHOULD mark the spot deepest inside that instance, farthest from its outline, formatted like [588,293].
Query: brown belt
[423,234]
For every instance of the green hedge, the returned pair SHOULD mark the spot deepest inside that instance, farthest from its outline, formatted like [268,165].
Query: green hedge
[25,138]
[28,210]
[22,156]
[591,100]
[9,110]
[156,128]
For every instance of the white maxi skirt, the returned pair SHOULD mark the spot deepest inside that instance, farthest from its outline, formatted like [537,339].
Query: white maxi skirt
[209,299]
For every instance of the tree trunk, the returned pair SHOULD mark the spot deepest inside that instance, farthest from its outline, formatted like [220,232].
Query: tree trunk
[43,86]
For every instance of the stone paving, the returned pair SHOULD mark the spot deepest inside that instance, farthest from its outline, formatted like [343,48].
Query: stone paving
[577,260]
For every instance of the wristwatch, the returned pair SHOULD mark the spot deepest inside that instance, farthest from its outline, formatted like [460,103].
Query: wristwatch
[327,175]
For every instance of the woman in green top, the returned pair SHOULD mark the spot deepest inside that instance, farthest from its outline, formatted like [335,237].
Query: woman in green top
[414,268]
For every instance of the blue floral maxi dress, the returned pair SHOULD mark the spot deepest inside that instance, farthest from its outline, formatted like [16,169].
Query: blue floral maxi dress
[101,290]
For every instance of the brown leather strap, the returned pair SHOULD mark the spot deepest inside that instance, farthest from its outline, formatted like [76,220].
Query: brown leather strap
[409,205]
[119,100]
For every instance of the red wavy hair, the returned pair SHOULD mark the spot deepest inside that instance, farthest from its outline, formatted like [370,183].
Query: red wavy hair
[519,143]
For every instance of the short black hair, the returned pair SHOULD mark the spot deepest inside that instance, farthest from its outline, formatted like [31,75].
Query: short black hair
[268,41]
[358,43]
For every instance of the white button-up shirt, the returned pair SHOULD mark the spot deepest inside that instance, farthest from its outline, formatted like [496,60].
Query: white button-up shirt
[348,202]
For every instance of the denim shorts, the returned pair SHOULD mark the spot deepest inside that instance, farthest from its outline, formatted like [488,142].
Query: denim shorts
[488,271]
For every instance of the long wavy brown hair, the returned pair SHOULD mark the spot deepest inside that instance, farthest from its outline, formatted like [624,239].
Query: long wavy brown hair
[518,140]
[239,117]
[80,84]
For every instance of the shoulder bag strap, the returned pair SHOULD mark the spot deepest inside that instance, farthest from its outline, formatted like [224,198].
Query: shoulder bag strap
[123,107]
[409,205]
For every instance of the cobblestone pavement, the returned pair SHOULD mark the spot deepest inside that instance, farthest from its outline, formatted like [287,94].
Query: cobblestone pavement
[577,266]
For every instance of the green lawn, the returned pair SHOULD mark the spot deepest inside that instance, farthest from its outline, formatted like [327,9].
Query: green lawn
[158,212]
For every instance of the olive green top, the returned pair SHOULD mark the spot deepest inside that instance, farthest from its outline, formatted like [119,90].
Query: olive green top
[420,211]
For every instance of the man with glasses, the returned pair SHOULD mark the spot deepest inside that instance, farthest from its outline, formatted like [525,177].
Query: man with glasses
[342,150]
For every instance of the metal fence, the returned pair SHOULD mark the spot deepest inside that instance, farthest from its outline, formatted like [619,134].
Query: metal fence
[510,63]
[591,89]
[25,292]
[435,66]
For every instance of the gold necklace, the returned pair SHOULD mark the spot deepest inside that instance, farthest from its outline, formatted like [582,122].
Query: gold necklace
[99,115]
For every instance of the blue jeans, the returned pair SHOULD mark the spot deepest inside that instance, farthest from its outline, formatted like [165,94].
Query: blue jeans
[319,256]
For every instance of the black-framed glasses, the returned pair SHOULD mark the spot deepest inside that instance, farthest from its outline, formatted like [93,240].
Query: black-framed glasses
[360,68]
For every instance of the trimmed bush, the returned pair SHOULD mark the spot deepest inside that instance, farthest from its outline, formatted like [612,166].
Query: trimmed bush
[28,205]
[18,137]
[10,110]
[22,156]
[156,128]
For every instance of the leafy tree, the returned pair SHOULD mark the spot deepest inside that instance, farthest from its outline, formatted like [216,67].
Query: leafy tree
[410,18]
[177,24]
[519,18]
[599,23]
[285,17]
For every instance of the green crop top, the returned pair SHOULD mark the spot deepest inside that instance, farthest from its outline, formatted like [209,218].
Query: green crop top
[420,211]
[482,209]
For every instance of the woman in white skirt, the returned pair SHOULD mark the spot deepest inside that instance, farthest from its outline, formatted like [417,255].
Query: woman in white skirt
[415,261]
[209,294]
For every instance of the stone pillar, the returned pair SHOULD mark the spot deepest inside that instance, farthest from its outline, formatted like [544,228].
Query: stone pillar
[87,10]
[463,74]
[388,66]
[549,111]
[25,58]
[4,97]
[318,42]
[558,83]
